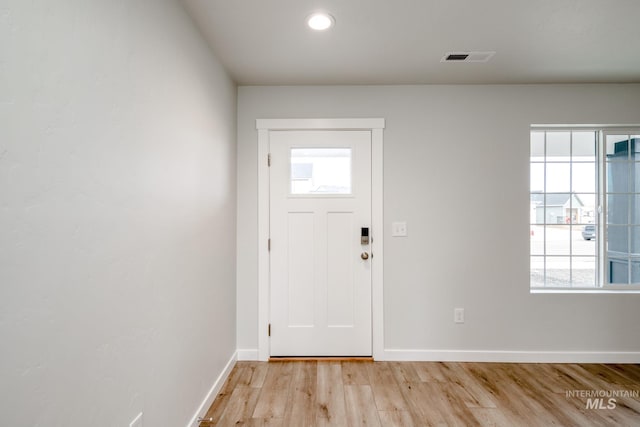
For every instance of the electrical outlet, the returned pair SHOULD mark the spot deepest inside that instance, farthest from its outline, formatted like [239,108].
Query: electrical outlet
[137,421]
[399,229]
[458,315]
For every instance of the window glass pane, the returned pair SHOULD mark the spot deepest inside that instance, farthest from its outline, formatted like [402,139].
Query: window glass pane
[635,271]
[617,209]
[618,177]
[618,270]
[617,240]
[537,240]
[583,177]
[536,202]
[537,146]
[635,241]
[558,239]
[558,177]
[320,170]
[635,209]
[558,145]
[584,146]
[555,208]
[537,271]
[584,240]
[617,147]
[585,208]
[583,272]
[558,272]
[536,177]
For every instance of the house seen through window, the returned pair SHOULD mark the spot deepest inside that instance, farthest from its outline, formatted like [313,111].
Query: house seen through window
[584,208]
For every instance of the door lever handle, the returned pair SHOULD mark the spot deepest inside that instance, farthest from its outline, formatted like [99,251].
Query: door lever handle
[364,255]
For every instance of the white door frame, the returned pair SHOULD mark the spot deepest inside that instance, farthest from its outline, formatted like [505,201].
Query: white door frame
[376,126]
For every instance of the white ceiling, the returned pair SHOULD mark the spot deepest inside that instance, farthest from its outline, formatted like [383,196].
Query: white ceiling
[266,42]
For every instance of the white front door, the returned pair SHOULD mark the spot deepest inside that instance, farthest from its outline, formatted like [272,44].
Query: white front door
[320,269]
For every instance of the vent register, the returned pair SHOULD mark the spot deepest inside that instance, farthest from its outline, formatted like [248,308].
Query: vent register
[467,56]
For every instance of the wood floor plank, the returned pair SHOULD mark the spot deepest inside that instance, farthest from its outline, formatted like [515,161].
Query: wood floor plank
[506,396]
[395,419]
[606,376]
[441,405]
[331,410]
[404,372]
[263,422]
[430,371]
[381,373]
[361,409]
[491,417]
[220,403]
[476,395]
[275,391]
[255,374]
[388,397]
[301,408]
[355,373]
[630,372]
[240,407]
[535,389]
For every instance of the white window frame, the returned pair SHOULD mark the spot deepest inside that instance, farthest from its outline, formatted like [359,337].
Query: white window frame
[602,269]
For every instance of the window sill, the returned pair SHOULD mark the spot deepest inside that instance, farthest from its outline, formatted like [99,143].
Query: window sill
[584,291]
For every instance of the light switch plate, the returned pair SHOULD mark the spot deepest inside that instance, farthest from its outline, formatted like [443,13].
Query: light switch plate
[399,229]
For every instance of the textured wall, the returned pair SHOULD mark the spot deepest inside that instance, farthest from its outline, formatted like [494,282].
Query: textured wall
[456,169]
[117,213]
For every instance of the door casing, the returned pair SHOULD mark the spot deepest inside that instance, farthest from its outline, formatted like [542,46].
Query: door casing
[376,126]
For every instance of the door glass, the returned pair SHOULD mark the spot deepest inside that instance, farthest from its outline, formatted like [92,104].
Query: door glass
[320,171]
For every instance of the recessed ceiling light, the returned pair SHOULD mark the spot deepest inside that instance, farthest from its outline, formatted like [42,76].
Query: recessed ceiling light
[320,21]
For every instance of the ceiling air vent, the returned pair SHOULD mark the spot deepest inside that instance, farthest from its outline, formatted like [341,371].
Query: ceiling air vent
[467,56]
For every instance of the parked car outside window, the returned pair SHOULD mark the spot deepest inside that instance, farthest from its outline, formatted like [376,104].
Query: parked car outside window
[589,232]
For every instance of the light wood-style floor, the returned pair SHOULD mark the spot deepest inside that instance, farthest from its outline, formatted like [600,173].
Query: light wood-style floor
[406,394]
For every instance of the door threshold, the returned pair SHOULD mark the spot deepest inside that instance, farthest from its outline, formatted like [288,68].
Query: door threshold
[321,359]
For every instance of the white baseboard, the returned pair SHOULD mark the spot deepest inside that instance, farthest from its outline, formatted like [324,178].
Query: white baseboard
[248,354]
[213,392]
[510,356]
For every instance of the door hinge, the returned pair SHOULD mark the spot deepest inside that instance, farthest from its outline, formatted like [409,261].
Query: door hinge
[269,329]
[269,159]
[269,245]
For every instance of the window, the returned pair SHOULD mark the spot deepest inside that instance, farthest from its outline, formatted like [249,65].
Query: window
[321,171]
[584,209]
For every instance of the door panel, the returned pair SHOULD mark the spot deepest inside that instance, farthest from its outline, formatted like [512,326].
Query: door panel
[340,247]
[320,287]
[301,269]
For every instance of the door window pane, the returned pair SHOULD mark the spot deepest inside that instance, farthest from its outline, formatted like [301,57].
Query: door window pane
[320,171]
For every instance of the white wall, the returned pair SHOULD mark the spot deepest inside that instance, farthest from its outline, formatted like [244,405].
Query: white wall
[117,213]
[450,151]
